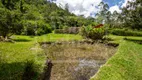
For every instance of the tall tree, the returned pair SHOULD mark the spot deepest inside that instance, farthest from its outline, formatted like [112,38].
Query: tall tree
[10,15]
[103,15]
[132,14]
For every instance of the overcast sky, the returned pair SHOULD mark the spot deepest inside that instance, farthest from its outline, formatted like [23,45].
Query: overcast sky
[89,7]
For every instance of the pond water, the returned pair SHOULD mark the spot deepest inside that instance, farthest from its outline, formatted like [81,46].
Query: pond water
[76,61]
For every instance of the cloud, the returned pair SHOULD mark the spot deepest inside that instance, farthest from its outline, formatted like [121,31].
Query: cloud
[125,3]
[80,7]
[115,8]
[121,4]
[88,7]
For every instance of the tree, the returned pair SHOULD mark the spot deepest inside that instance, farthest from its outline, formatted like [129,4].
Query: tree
[114,20]
[67,7]
[18,15]
[103,15]
[132,15]
[10,21]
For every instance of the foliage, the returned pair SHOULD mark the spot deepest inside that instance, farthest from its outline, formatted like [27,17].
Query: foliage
[103,15]
[125,32]
[43,28]
[18,15]
[92,33]
[132,15]
[9,22]
[30,72]
[36,28]
[124,65]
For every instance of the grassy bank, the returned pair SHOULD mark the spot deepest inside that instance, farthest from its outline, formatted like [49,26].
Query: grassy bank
[58,37]
[24,52]
[118,39]
[48,37]
[14,57]
[126,64]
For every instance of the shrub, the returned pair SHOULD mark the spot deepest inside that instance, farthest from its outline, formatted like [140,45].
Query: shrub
[29,28]
[43,28]
[36,28]
[92,33]
[30,72]
[124,32]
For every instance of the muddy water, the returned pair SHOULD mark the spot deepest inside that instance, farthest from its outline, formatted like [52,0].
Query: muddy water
[86,69]
[77,61]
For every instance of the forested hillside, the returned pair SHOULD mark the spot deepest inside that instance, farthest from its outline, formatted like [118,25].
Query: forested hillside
[35,17]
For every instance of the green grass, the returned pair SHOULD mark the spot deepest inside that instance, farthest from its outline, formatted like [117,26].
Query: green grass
[126,64]
[14,56]
[22,38]
[126,32]
[119,39]
[58,37]
[47,37]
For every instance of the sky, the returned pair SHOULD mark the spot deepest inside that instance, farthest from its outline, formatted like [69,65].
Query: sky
[89,7]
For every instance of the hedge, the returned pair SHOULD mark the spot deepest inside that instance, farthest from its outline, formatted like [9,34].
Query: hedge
[123,32]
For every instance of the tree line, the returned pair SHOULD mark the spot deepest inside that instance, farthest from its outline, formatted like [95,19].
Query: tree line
[130,17]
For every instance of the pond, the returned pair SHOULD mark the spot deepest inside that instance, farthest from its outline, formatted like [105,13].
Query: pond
[76,60]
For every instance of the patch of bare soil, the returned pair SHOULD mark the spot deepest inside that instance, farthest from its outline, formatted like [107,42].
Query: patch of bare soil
[76,61]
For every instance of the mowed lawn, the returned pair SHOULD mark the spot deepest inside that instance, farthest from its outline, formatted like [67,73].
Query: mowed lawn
[14,57]
[47,37]
[126,64]
[118,39]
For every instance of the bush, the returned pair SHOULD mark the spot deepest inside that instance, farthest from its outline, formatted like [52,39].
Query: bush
[36,28]
[124,32]
[43,28]
[30,72]
[92,33]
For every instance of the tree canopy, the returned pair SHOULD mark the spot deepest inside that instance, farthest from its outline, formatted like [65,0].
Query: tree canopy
[23,16]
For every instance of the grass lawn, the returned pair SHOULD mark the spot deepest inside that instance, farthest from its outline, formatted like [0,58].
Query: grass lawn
[14,57]
[126,64]
[118,39]
[47,37]
[58,37]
